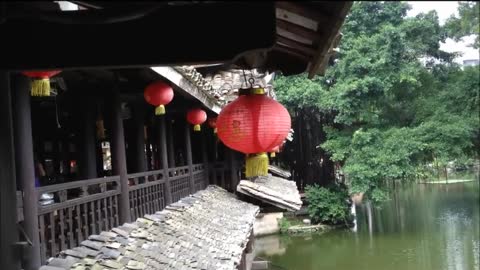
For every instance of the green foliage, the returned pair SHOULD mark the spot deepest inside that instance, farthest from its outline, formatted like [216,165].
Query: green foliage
[466,24]
[328,205]
[393,113]
[284,224]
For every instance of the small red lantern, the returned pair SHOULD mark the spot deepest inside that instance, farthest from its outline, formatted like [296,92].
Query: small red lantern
[158,94]
[196,117]
[40,82]
[254,124]
[212,122]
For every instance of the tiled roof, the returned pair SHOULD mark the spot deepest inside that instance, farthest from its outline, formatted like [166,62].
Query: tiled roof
[196,232]
[223,86]
[277,191]
[279,171]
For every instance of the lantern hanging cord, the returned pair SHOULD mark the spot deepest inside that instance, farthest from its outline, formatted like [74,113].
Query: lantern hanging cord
[56,114]
[244,77]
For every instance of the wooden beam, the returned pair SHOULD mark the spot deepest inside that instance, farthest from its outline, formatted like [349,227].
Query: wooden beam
[298,30]
[9,256]
[25,166]
[331,34]
[296,45]
[288,50]
[301,10]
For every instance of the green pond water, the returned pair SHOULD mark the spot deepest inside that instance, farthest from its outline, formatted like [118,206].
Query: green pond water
[422,227]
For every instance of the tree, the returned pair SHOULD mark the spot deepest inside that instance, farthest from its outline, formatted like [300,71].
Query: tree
[395,101]
[466,24]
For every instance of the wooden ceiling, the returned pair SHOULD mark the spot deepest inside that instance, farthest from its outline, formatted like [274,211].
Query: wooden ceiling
[290,37]
[306,35]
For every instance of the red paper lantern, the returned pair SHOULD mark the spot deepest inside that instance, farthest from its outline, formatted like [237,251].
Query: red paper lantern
[196,117]
[212,122]
[158,94]
[254,124]
[41,81]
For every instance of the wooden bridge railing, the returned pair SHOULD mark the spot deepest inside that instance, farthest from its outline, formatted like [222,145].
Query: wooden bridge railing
[146,193]
[87,207]
[80,209]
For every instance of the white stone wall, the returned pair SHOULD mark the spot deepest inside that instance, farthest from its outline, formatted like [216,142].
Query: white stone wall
[267,224]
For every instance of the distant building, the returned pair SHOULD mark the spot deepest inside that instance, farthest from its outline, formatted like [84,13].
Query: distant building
[470,62]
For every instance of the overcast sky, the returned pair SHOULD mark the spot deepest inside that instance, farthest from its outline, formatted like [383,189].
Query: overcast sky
[444,10]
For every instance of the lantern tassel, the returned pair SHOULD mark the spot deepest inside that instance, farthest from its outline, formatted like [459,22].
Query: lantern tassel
[272,154]
[256,165]
[160,110]
[40,87]
[196,128]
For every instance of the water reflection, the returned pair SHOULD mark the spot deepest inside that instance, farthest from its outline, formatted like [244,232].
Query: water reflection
[423,227]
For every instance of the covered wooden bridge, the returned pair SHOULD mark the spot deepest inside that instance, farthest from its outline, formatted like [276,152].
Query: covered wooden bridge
[93,155]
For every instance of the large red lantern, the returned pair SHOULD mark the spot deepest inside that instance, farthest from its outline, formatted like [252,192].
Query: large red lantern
[158,94]
[212,122]
[41,81]
[196,117]
[254,124]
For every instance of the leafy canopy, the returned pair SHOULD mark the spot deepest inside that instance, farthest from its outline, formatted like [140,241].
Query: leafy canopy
[398,101]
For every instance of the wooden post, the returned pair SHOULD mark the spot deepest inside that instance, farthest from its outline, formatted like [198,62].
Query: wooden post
[139,135]
[89,160]
[231,164]
[188,150]
[8,211]
[205,156]
[171,145]
[25,167]
[164,156]
[119,160]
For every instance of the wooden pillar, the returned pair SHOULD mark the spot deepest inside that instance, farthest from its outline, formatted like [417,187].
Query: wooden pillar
[119,160]
[163,147]
[25,167]
[171,145]
[188,150]
[232,169]
[139,138]
[88,162]
[205,156]
[9,257]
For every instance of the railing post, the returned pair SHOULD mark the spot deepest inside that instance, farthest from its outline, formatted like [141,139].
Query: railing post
[188,149]
[163,149]
[205,157]
[119,160]
[25,169]
[8,211]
